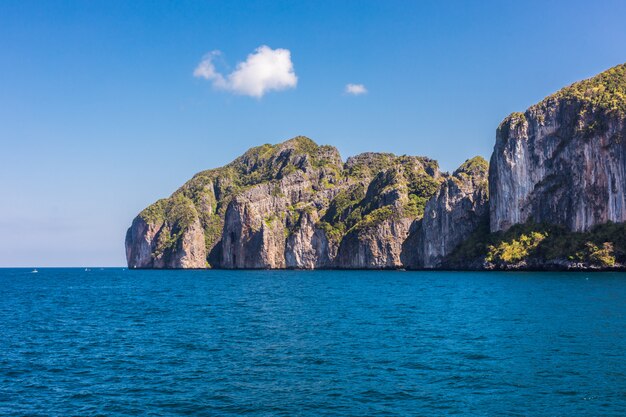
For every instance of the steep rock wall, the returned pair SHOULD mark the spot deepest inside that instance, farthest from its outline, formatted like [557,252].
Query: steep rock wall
[453,214]
[563,161]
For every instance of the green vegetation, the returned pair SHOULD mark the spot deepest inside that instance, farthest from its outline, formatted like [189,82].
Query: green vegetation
[516,249]
[343,212]
[304,145]
[211,191]
[164,242]
[262,164]
[603,256]
[421,189]
[476,166]
[269,220]
[606,91]
[602,246]
[512,121]
[371,187]
[178,212]
[154,213]
[344,202]
[393,178]
[517,118]
[376,217]
[369,164]
[334,234]
[276,191]
[293,217]
[213,226]
[415,206]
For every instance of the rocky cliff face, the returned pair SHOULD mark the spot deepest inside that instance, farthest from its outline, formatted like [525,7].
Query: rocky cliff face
[393,200]
[292,205]
[556,170]
[452,215]
[308,247]
[167,235]
[563,161]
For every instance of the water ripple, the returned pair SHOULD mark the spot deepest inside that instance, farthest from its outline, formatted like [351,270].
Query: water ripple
[324,343]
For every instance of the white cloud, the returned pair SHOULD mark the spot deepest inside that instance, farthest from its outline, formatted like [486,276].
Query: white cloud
[264,70]
[356,89]
[206,69]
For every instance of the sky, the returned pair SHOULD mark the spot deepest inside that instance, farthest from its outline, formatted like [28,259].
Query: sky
[107,106]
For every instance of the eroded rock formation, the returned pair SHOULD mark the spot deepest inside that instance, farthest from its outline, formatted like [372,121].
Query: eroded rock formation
[453,214]
[563,161]
[556,170]
[291,205]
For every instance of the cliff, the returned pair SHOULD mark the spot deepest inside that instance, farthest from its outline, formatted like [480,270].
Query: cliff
[563,161]
[291,205]
[452,215]
[557,184]
[552,197]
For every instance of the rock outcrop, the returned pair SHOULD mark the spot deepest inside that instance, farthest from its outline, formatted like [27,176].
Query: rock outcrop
[563,161]
[453,214]
[391,204]
[291,205]
[308,247]
[167,235]
[554,198]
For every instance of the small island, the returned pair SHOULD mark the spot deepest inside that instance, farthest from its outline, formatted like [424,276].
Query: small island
[553,197]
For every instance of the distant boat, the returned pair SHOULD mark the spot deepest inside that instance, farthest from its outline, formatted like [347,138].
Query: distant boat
[87,269]
[34,271]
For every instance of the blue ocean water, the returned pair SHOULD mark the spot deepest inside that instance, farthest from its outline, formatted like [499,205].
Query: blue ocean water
[319,343]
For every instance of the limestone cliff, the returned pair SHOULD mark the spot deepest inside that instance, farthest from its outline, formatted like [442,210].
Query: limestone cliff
[563,161]
[291,205]
[452,215]
[167,235]
[389,207]
[555,198]
[557,184]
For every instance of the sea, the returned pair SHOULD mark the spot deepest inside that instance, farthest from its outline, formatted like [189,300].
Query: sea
[118,342]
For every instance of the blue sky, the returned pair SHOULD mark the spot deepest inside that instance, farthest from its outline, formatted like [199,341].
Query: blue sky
[100,113]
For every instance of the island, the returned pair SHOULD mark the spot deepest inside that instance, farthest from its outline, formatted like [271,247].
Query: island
[552,197]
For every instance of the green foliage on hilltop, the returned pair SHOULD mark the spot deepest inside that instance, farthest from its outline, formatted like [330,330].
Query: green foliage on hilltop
[372,188]
[154,213]
[261,164]
[512,121]
[476,166]
[409,179]
[602,246]
[212,190]
[369,165]
[605,91]
[178,210]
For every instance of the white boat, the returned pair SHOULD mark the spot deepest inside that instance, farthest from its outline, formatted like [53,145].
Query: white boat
[34,271]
